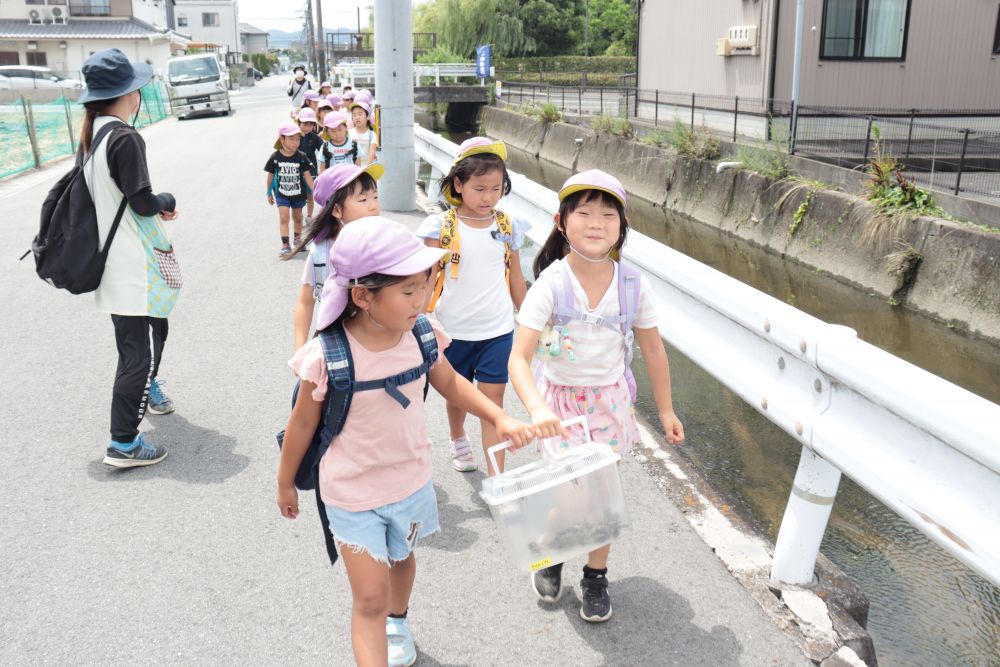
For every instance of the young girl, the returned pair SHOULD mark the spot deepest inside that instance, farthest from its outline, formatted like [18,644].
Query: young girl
[476,292]
[590,375]
[325,88]
[311,145]
[288,177]
[375,477]
[344,193]
[323,109]
[337,147]
[336,101]
[310,100]
[363,134]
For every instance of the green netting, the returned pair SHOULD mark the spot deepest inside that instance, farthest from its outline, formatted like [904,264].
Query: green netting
[57,126]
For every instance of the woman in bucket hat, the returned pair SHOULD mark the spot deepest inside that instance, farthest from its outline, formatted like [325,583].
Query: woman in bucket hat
[298,86]
[375,479]
[141,279]
[345,193]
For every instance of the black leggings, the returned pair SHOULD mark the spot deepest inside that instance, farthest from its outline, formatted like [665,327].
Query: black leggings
[140,342]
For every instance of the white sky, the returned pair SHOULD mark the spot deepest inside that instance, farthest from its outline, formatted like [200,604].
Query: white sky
[287,14]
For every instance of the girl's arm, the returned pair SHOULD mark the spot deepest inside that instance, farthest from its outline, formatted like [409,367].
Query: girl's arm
[303,315]
[518,286]
[655,358]
[432,281]
[309,178]
[298,434]
[372,147]
[546,423]
[459,392]
[270,188]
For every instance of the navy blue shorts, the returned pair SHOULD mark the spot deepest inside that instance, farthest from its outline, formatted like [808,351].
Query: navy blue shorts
[290,202]
[482,360]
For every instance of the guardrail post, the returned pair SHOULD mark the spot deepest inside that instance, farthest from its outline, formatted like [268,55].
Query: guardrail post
[29,122]
[564,99]
[601,89]
[656,109]
[961,161]
[437,75]
[909,133]
[692,112]
[868,137]
[736,117]
[805,519]
[579,100]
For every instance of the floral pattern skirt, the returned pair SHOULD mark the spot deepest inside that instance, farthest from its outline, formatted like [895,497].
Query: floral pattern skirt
[609,412]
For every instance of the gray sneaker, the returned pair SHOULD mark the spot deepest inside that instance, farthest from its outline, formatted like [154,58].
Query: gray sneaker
[159,403]
[136,454]
[547,583]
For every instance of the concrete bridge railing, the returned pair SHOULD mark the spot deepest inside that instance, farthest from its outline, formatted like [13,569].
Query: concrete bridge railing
[926,448]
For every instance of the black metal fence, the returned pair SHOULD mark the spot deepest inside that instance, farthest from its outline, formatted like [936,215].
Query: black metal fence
[947,149]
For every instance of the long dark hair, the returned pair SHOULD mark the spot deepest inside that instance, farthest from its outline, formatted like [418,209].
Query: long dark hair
[324,221]
[479,164]
[91,111]
[374,283]
[556,246]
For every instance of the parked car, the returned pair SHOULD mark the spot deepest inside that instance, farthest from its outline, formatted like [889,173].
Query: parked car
[19,77]
[257,74]
[197,84]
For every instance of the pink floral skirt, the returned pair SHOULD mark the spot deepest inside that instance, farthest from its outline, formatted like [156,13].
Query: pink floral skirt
[609,412]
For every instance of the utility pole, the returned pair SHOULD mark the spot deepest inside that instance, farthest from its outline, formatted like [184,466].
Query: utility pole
[323,74]
[394,83]
[310,37]
[797,64]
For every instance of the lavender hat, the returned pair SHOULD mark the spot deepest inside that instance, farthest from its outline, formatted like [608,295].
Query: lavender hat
[364,96]
[307,115]
[337,177]
[335,99]
[469,147]
[324,104]
[593,179]
[335,118]
[366,246]
[311,96]
[286,129]
[361,104]
[348,95]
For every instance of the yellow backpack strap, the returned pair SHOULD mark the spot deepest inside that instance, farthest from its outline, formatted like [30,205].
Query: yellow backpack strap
[507,234]
[450,241]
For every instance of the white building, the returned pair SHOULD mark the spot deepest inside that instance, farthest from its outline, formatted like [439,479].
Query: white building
[61,34]
[253,39]
[210,23]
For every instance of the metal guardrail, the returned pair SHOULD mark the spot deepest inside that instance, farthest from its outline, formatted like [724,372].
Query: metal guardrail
[926,448]
[366,72]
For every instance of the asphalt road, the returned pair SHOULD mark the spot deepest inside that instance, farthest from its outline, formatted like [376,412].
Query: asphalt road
[189,561]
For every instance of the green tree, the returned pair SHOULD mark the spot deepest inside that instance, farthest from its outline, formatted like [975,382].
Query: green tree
[553,25]
[612,27]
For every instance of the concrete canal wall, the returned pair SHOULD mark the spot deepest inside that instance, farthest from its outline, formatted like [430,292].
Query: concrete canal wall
[949,271]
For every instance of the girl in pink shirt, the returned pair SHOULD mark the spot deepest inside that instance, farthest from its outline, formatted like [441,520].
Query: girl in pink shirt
[375,477]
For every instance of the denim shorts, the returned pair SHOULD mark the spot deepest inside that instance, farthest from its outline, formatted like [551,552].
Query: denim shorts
[387,533]
[294,202]
[482,360]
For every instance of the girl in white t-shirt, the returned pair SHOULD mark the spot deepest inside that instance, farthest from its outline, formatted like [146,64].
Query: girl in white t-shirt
[477,289]
[585,372]
[363,134]
[344,193]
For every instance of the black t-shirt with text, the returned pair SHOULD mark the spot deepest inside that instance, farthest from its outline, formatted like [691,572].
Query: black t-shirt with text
[289,171]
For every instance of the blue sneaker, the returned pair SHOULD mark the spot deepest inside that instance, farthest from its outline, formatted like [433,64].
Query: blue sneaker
[133,455]
[159,403]
[402,652]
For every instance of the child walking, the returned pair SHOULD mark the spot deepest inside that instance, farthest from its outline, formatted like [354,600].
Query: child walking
[587,372]
[477,290]
[363,134]
[311,144]
[375,477]
[338,148]
[288,177]
[344,193]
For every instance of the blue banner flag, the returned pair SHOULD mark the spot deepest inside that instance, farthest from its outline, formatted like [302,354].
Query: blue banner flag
[483,61]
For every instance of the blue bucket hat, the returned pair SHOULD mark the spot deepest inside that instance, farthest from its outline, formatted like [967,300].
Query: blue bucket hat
[109,74]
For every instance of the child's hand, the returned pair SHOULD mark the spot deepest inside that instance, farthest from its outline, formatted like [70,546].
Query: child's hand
[673,427]
[546,423]
[288,500]
[519,433]
[168,215]
[270,199]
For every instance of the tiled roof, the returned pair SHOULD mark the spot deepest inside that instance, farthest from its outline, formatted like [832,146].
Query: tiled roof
[76,28]
[251,30]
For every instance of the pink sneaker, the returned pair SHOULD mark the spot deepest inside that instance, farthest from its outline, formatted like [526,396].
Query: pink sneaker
[461,455]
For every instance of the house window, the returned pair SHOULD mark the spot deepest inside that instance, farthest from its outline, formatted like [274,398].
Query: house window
[182,21]
[210,20]
[996,37]
[34,2]
[865,29]
[38,58]
[9,58]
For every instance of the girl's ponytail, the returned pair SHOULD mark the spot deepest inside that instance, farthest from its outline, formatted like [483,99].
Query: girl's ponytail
[91,111]
[554,249]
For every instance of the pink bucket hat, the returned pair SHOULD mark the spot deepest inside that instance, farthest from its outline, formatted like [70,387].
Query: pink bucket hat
[311,95]
[335,118]
[286,129]
[469,147]
[335,99]
[307,116]
[337,177]
[593,179]
[366,246]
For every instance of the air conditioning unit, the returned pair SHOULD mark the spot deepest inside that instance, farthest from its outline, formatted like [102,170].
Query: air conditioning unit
[59,16]
[743,37]
[35,17]
[723,47]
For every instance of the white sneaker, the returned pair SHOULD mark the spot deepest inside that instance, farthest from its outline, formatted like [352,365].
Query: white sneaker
[402,652]
[461,455]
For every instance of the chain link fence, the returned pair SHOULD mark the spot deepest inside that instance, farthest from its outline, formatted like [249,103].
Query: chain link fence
[946,149]
[40,125]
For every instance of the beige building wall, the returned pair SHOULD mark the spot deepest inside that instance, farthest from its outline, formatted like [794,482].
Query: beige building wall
[949,61]
[677,47]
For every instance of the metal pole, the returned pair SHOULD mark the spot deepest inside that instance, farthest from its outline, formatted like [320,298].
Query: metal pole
[656,109]
[579,101]
[961,161]
[311,36]
[692,112]
[322,41]
[794,127]
[69,124]
[909,134]
[868,137]
[736,117]
[601,89]
[805,520]
[393,64]
[564,99]
[797,62]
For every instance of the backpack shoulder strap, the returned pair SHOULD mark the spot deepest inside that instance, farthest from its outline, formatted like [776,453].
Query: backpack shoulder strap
[507,234]
[98,137]
[339,381]
[629,284]
[563,309]
[427,340]
[449,240]
[320,261]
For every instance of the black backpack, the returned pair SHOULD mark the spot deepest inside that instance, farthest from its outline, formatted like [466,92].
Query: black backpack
[67,248]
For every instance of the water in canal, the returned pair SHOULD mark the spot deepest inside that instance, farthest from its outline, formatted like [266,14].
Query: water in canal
[926,607]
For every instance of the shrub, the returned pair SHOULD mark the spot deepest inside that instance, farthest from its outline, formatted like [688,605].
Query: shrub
[618,126]
[768,158]
[889,190]
[697,144]
[548,113]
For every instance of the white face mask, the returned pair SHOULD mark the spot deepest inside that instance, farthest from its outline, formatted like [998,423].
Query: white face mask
[299,76]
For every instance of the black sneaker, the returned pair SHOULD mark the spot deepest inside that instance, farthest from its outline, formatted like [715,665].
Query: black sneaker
[596,606]
[547,583]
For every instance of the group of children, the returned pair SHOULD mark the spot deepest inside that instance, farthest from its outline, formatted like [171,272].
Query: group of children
[373,281]
[327,130]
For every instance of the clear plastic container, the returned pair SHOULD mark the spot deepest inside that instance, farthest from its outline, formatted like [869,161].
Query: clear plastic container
[561,506]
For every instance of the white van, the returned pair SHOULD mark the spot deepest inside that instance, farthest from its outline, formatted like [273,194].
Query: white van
[197,84]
